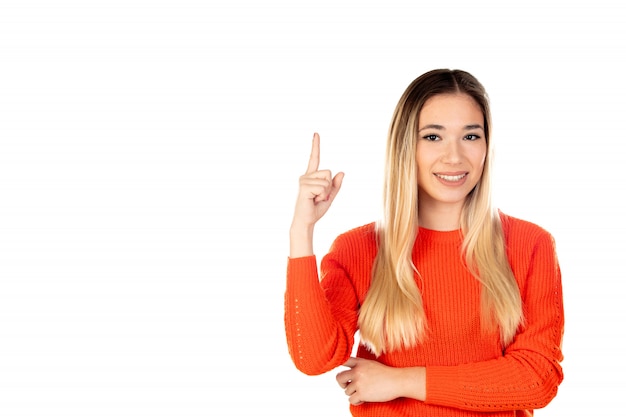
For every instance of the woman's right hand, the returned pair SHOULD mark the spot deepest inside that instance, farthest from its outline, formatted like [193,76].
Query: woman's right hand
[318,189]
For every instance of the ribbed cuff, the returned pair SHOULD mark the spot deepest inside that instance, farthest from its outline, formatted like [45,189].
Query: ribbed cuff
[440,383]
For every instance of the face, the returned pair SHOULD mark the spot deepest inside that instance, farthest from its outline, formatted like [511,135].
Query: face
[451,151]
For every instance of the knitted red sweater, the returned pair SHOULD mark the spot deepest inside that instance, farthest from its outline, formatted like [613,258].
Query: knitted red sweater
[467,371]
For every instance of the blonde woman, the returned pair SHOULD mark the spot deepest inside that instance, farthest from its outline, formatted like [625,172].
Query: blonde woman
[459,306]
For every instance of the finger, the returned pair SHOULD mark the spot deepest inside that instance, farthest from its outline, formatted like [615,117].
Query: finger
[351,363]
[324,174]
[314,159]
[332,190]
[317,179]
[344,379]
[354,397]
[317,185]
[336,185]
[355,401]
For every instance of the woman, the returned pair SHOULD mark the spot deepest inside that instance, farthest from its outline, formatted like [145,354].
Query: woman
[459,307]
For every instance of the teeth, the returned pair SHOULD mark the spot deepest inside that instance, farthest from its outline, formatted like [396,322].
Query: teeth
[451,177]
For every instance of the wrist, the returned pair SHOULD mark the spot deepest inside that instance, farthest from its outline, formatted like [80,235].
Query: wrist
[300,240]
[414,383]
[299,229]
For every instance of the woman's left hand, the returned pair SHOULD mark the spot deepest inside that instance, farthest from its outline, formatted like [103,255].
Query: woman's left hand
[371,381]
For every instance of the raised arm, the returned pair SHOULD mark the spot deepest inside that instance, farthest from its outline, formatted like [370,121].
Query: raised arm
[318,189]
[313,332]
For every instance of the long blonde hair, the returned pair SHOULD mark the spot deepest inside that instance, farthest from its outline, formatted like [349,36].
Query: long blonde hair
[392,315]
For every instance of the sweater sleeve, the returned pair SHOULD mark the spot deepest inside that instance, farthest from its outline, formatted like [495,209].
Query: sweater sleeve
[528,374]
[320,322]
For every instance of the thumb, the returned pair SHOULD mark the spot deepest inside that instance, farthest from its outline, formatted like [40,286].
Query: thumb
[337,181]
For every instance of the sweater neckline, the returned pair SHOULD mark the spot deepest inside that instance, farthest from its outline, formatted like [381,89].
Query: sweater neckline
[448,236]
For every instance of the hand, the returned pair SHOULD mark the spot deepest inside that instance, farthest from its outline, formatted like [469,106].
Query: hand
[371,381]
[318,189]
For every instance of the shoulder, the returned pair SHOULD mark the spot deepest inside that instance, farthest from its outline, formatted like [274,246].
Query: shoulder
[348,264]
[353,252]
[357,239]
[354,247]
[531,252]
[519,230]
[527,243]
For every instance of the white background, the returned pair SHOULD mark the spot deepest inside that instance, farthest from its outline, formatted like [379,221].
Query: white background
[149,156]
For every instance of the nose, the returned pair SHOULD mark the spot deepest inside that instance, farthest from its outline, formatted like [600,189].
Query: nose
[452,152]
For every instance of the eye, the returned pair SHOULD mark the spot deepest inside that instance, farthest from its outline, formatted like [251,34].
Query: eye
[431,138]
[471,137]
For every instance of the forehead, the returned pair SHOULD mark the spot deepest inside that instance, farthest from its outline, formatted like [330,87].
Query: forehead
[452,108]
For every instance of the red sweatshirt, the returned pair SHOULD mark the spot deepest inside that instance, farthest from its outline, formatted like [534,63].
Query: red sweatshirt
[467,371]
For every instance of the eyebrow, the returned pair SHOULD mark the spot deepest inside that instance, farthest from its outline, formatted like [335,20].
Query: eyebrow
[440,127]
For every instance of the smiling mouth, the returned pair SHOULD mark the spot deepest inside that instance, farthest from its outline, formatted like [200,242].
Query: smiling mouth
[451,177]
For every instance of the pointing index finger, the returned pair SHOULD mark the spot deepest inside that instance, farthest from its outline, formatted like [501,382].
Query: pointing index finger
[314,159]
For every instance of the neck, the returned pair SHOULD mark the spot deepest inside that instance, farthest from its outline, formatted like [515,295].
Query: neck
[441,217]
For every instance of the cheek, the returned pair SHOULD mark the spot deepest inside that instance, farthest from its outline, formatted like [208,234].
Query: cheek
[425,158]
[479,157]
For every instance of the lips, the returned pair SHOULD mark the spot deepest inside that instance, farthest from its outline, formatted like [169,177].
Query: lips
[452,178]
